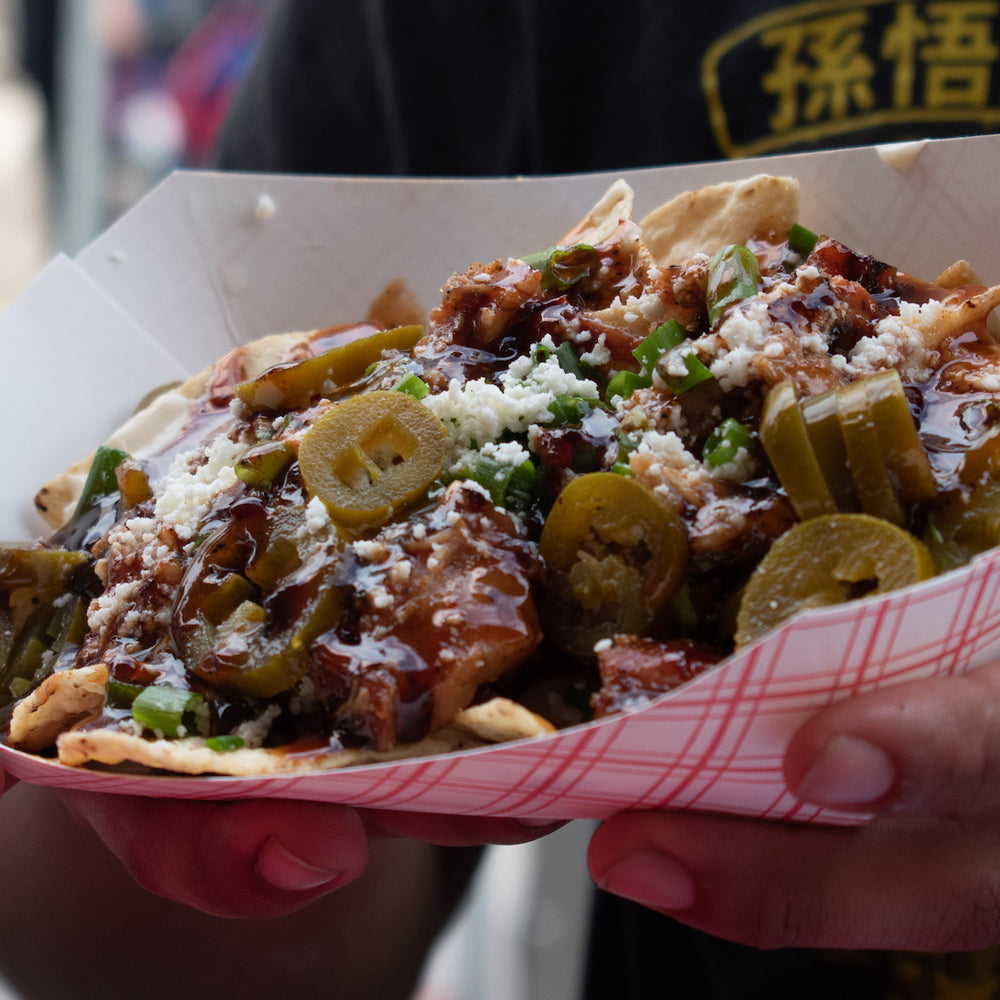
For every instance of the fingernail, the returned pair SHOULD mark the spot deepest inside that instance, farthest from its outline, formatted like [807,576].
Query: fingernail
[848,771]
[284,870]
[652,878]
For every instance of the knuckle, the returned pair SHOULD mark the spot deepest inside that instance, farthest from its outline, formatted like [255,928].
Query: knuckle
[783,922]
[970,925]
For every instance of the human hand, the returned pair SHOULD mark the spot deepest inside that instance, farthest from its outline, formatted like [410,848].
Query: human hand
[263,857]
[924,757]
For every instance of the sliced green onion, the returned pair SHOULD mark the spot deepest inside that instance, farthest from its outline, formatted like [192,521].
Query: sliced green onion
[733,275]
[101,481]
[260,465]
[569,362]
[568,409]
[521,486]
[119,694]
[170,711]
[801,240]
[725,443]
[225,743]
[664,338]
[627,443]
[538,260]
[563,267]
[697,373]
[510,486]
[625,383]
[97,508]
[412,384]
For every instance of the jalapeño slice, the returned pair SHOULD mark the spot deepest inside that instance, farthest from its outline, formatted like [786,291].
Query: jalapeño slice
[371,454]
[291,386]
[825,561]
[965,520]
[616,556]
[863,444]
[785,439]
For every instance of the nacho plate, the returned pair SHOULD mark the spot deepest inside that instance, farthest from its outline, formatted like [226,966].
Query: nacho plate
[615,753]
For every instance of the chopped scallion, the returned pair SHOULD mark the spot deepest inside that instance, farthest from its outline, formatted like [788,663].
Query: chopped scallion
[801,240]
[568,361]
[412,384]
[726,442]
[664,338]
[733,275]
[697,373]
[119,694]
[568,409]
[170,711]
[624,384]
[225,743]
[510,486]
[563,267]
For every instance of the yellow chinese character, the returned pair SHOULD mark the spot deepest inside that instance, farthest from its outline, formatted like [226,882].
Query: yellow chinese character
[823,60]
[900,46]
[960,54]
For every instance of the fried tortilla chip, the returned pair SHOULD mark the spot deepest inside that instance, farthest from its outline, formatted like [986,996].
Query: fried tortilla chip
[498,720]
[58,702]
[162,420]
[704,220]
[604,218]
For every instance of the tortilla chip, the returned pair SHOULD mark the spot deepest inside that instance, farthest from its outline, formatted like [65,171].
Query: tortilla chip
[192,755]
[495,721]
[161,420]
[600,223]
[501,720]
[956,275]
[709,218]
[60,701]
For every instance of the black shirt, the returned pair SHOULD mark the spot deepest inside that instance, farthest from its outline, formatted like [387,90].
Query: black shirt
[468,87]
[475,88]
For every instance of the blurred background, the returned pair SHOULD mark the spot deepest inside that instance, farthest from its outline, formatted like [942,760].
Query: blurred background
[99,100]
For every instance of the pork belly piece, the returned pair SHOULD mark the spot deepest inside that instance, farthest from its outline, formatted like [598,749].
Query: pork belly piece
[441,605]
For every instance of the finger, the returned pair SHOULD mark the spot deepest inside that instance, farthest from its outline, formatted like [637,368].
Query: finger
[924,748]
[257,858]
[896,883]
[454,831]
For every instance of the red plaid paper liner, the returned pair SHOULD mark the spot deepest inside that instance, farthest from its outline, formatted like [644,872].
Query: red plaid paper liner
[715,744]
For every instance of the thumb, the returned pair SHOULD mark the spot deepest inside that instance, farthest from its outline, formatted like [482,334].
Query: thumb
[926,748]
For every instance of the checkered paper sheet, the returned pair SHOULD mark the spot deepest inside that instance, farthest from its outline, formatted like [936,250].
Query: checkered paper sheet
[715,744]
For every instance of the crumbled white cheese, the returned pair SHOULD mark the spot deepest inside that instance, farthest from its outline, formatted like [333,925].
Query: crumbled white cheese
[370,550]
[741,467]
[668,447]
[381,598]
[478,412]
[253,732]
[598,355]
[111,603]
[745,331]
[188,488]
[317,520]
[900,341]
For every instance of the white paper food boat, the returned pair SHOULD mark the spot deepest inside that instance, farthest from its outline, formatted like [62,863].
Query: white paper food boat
[209,260]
